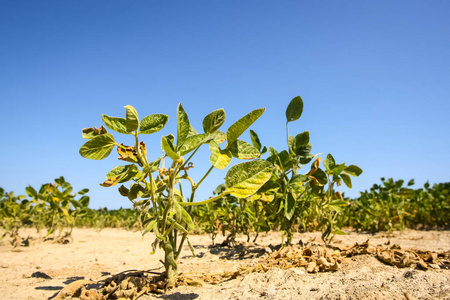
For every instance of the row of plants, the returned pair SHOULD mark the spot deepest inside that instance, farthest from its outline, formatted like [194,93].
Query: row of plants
[386,206]
[53,207]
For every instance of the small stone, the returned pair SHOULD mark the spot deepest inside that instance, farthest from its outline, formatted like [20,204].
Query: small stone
[408,274]
[269,293]
[434,266]
[268,250]
[298,271]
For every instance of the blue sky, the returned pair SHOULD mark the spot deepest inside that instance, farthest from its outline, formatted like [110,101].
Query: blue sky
[374,77]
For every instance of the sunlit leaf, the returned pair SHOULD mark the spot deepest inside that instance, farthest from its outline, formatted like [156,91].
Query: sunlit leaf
[214,120]
[192,142]
[220,159]
[294,109]
[353,170]
[98,147]
[243,150]
[183,125]
[329,162]
[132,119]
[245,179]
[117,124]
[153,123]
[347,180]
[255,140]
[242,124]
[167,146]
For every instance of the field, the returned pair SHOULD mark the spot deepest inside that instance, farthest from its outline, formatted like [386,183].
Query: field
[41,270]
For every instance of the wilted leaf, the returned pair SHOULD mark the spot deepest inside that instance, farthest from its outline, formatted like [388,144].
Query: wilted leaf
[120,174]
[89,133]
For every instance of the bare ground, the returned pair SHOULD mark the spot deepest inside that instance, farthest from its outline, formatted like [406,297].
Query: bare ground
[41,270]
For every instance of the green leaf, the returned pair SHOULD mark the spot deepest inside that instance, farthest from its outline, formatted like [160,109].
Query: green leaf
[132,120]
[245,179]
[30,191]
[218,136]
[183,125]
[153,123]
[289,206]
[243,150]
[117,124]
[99,147]
[304,151]
[347,180]
[135,191]
[214,120]
[192,142]
[329,162]
[167,146]
[321,176]
[83,191]
[273,152]
[294,109]
[220,159]
[242,124]
[411,182]
[353,170]
[255,140]
[302,139]
[337,169]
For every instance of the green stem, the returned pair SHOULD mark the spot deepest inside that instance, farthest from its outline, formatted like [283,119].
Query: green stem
[204,176]
[205,201]
[189,158]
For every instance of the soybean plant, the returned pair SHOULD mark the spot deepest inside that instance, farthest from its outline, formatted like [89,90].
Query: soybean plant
[156,185]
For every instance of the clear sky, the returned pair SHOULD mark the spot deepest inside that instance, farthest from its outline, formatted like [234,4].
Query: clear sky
[374,77]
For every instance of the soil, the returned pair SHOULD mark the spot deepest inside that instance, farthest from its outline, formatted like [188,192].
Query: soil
[42,269]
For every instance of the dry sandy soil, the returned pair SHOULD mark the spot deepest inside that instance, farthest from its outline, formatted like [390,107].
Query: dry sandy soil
[41,270]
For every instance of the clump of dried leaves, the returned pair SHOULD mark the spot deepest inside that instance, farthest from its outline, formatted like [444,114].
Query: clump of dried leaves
[311,257]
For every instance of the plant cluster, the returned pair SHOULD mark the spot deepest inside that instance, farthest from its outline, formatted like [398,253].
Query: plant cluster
[393,206]
[54,207]
[271,192]
[103,218]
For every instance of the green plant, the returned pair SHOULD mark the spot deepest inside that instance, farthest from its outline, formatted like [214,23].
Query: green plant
[289,194]
[15,212]
[156,188]
[56,208]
